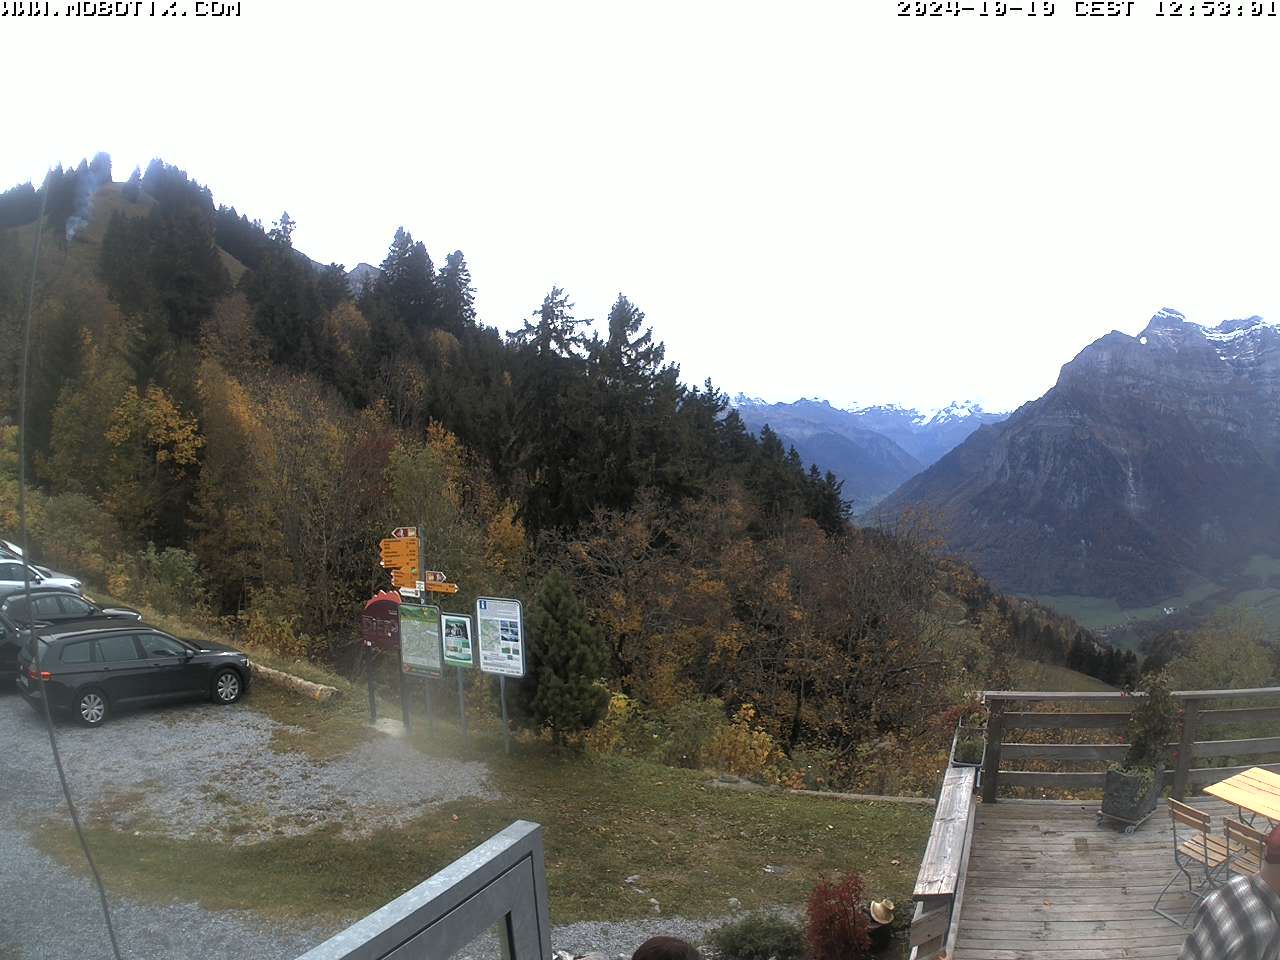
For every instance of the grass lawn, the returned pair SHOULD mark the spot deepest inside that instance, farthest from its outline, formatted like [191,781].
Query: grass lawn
[693,845]
[1033,675]
[1099,613]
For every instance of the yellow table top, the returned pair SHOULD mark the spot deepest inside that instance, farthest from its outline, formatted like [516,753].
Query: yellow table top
[1255,790]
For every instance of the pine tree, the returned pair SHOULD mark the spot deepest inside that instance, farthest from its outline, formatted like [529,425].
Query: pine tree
[407,283]
[132,189]
[556,329]
[457,296]
[566,658]
[630,358]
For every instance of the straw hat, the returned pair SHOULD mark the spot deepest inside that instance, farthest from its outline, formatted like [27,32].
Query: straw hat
[882,911]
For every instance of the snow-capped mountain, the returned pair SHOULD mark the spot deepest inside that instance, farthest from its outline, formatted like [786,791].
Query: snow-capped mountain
[872,449]
[1153,462]
[925,434]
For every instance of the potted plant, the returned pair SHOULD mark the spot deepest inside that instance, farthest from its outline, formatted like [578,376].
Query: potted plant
[969,741]
[968,746]
[1133,787]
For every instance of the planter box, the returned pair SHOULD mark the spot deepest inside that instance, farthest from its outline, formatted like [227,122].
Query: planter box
[1130,797]
[962,734]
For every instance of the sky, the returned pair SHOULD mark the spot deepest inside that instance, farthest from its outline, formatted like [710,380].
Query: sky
[806,199]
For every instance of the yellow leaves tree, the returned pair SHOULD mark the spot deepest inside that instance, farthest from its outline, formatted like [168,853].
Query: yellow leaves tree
[154,446]
[170,435]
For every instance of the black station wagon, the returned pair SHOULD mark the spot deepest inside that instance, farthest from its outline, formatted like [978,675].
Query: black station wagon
[90,669]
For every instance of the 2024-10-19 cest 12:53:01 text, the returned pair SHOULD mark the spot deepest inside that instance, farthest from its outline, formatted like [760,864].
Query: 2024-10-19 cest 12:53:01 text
[1101,9]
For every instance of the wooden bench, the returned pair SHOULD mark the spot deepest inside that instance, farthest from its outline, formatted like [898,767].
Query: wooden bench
[940,883]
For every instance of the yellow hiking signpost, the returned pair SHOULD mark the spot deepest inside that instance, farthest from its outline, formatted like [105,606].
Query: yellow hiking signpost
[404,555]
[436,638]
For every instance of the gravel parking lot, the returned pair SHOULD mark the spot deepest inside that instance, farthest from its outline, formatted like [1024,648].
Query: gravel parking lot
[183,770]
[208,771]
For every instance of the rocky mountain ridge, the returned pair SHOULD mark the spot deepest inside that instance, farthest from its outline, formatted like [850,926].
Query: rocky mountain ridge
[872,449]
[1153,461]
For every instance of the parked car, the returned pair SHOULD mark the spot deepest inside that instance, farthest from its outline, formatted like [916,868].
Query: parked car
[11,578]
[11,551]
[91,668]
[49,605]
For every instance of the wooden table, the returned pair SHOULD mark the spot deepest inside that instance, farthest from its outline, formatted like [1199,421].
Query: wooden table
[1255,790]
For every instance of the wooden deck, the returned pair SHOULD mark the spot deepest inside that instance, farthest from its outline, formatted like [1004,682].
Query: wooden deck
[1045,881]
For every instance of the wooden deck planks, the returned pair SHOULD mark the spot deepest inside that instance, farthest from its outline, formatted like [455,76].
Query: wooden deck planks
[1045,881]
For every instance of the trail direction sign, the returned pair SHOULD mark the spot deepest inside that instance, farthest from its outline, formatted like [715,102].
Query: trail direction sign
[500,631]
[402,533]
[433,587]
[457,640]
[403,578]
[399,553]
[420,640]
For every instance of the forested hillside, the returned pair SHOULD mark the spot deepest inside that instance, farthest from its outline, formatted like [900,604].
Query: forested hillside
[214,421]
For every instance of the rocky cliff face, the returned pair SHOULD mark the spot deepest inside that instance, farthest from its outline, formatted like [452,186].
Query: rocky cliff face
[1154,458]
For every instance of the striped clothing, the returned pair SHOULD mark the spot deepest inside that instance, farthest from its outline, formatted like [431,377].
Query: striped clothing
[1239,921]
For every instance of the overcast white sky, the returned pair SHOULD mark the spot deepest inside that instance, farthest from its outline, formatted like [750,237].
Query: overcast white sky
[808,199]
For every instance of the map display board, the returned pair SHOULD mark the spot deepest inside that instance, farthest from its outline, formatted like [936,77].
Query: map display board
[500,628]
[457,640]
[420,640]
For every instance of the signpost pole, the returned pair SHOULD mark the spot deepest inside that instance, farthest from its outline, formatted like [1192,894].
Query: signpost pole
[462,705]
[404,704]
[373,700]
[430,717]
[422,573]
[502,695]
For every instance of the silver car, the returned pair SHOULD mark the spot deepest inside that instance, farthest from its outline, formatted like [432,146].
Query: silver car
[11,577]
[51,578]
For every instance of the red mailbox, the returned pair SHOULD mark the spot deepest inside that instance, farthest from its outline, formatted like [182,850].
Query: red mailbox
[380,622]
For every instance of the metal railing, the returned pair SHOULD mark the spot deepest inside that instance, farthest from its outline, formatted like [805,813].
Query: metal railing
[501,883]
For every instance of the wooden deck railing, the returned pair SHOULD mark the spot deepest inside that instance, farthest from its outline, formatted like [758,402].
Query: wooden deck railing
[1007,712]
[940,884]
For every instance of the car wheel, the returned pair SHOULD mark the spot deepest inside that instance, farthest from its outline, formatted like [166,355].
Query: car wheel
[91,708]
[227,686]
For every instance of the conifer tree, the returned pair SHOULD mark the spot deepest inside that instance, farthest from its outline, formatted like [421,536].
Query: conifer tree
[407,282]
[566,658]
[132,189]
[556,329]
[457,296]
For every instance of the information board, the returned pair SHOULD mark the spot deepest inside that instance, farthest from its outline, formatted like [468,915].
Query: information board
[500,630]
[457,639]
[420,639]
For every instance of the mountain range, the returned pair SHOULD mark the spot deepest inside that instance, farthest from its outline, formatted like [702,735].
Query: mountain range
[871,449]
[1153,464]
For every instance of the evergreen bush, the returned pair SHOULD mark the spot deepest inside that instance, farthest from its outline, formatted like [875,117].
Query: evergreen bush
[758,936]
[566,659]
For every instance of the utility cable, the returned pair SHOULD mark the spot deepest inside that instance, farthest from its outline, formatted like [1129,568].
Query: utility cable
[26,572]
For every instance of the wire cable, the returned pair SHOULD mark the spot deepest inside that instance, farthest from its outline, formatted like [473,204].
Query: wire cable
[26,571]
